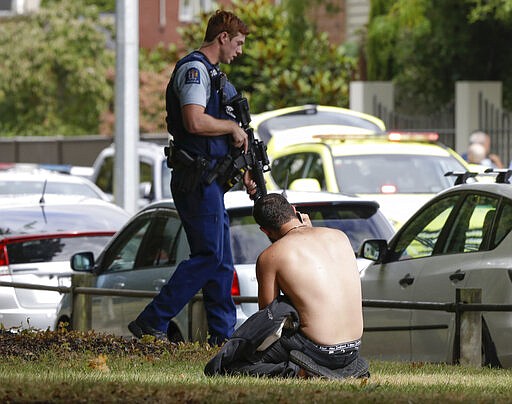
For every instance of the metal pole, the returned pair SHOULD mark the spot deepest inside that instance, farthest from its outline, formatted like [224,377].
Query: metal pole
[81,309]
[197,323]
[456,338]
[467,342]
[471,330]
[126,167]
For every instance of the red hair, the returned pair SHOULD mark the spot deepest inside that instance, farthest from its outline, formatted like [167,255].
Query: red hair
[224,21]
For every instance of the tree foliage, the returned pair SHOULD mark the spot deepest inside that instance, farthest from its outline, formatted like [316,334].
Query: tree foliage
[498,9]
[271,75]
[53,71]
[104,6]
[155,68]
[58,72]
[425,46]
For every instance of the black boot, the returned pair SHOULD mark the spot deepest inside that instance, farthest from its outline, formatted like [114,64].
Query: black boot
[139,328]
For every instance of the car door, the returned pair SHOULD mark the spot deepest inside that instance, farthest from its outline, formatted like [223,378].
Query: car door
[386,333]
[458,253]
[117,260]
[143,257]
[155,261]
[494,277]
[388,330]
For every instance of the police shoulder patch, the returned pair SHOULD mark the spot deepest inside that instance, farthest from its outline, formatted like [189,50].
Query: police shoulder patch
[192,76]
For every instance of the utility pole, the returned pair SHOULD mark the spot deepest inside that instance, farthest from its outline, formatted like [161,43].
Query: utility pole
[126,166]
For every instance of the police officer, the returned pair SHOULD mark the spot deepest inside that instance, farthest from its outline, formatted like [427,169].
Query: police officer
[199,120]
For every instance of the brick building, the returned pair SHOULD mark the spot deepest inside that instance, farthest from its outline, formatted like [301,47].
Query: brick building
[159,19]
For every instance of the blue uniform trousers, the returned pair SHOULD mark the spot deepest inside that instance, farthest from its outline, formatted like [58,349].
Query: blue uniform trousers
[210,266]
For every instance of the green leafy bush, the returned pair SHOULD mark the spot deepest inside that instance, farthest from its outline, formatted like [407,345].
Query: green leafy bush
[425,46]
[54,71]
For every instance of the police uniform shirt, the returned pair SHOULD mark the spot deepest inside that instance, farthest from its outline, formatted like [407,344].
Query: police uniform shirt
[192,84]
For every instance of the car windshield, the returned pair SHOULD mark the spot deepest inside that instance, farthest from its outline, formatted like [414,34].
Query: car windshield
[398,173]
[13,187]
[358,221]
[310,117]
[53,249]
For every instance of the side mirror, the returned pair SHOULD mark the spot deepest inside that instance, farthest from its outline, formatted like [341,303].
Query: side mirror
[305,184]
[374,250]
[82,262]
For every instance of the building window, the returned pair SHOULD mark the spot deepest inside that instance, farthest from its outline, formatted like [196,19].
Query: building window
[163,14]
[190,10]
[17,7]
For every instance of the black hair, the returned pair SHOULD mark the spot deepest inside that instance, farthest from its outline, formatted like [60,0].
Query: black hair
[271,211]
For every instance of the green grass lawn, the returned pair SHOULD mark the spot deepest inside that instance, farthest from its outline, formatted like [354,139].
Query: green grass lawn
[74,367]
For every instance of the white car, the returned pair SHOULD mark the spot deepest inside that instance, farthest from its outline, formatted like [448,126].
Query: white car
[19,181]
[154,175]
[37,240]
[144,254]
[462,238]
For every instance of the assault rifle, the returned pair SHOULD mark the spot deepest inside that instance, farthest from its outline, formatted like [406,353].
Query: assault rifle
[231,169]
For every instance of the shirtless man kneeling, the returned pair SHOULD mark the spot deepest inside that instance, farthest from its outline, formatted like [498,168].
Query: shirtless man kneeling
[316,271]
[315,267]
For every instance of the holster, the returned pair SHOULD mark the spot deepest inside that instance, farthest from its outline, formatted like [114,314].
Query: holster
[192,168]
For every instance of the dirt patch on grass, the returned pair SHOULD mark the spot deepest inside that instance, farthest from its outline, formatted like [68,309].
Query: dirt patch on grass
[30,345]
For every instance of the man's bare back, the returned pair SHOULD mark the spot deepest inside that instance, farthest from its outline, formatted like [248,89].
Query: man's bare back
[316,268]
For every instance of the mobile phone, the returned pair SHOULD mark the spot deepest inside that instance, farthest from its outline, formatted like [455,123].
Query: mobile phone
[299,216]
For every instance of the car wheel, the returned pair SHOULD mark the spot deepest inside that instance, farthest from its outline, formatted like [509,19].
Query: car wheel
[489,354]
[174,334]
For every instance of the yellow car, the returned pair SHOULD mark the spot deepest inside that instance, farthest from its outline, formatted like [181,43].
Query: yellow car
[401,171]
[267,124]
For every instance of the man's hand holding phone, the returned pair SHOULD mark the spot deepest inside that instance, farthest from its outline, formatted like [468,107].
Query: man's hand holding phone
[304,218]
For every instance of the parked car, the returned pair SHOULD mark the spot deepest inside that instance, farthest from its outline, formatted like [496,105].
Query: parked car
[399,170]
[267,124]
[144,254]
[30,179]
[81,171]
[154,175]
[460,239]
[37,241]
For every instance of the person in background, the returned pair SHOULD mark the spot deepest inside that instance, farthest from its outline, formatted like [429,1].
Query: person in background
[482,138]
[477,158]
[202,126]
[477,154]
